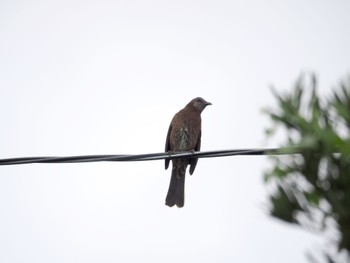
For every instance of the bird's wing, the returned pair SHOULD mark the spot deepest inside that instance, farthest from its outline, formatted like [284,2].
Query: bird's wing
[194,161]
[167,146]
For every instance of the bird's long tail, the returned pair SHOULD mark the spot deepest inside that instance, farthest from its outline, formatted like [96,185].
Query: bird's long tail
[176,192]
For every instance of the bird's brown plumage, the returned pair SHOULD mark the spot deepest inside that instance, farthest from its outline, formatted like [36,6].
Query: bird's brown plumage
[184,134]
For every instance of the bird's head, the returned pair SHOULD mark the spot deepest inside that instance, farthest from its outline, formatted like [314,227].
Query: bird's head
[199,104]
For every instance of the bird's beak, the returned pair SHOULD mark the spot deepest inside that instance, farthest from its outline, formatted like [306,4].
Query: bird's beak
[208,103]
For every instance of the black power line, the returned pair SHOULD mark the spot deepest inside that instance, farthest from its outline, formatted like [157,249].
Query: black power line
[146,157]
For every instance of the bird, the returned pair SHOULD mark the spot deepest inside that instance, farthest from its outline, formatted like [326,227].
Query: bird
[184,134]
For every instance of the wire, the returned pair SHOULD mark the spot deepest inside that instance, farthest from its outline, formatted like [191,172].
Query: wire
[146,157]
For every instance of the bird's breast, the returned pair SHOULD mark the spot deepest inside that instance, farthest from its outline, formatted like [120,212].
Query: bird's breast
[184,139]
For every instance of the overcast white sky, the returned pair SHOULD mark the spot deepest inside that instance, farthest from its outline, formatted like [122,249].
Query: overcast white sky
[106,77]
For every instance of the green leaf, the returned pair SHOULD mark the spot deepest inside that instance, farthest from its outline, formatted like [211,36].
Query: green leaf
[313,197]
[319,130]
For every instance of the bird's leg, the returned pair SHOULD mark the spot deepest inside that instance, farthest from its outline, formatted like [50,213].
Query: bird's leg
[169,154]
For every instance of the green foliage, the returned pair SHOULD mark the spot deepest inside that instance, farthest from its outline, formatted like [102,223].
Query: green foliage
[314,184]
